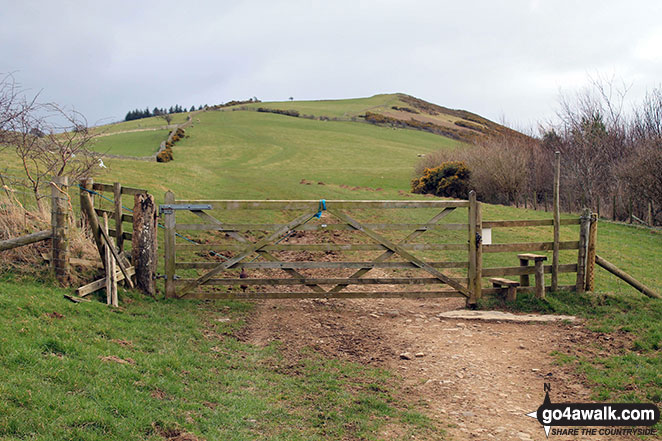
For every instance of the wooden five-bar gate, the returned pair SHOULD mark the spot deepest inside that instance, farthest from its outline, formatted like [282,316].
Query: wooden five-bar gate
[233,260]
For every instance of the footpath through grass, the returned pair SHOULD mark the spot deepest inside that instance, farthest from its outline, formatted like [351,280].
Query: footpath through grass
[155,369]
[627,365]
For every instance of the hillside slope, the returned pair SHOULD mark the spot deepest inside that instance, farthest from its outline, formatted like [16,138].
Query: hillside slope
[396,109]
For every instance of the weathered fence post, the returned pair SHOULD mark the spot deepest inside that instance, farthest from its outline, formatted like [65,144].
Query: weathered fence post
[471,274]
[478,290]
[60,227]
[144,244]
[590,253]
[87,206]
[84,183]
[557,221]
[581,255]
[117,195]
[111,276]
[169,245]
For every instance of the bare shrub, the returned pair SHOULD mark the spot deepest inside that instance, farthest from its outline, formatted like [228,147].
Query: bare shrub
[499,166]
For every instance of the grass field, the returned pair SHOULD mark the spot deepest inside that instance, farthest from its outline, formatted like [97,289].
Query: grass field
[132,143]
[51,364]
[155,369]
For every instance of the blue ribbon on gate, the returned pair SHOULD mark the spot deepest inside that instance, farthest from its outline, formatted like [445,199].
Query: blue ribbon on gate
[322,207]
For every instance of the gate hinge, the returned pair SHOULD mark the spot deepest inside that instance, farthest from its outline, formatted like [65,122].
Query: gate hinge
[165,277]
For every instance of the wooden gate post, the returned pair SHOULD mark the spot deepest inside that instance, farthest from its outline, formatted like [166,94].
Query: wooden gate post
[581,255]
[478,287]
[60,228]
[557,221]
[471,274]
[169,245]
[590,253]
[144,243]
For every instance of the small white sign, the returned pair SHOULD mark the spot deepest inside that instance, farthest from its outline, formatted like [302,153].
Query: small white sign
[487,236]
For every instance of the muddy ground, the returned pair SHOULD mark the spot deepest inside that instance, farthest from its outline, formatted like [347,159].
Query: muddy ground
[478,378]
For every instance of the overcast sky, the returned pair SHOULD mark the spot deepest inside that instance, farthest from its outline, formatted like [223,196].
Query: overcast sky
[501,59]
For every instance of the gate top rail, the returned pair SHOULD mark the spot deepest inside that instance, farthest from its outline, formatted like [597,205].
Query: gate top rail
[313,205]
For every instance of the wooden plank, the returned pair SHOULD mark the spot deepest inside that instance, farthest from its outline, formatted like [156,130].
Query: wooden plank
[126,235]
[591,250]
[99,284]
[117,196]
[402,252]
[107,261]
[247,252]
[336,295]
[16,242]
[76,261]
[125,217]
[388,253]
[313,205]
[110,188]
[524,290]
[528,223]
[323,247]
[528,256]
[88,207]
[327,281]
[626,277]
[525,270]
[109,244]
[557,215]
[316,227]
[313,265]
[503,282]
[169,247]
[265,254]
[529,246]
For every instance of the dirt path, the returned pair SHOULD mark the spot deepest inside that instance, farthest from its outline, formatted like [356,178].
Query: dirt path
[478,378]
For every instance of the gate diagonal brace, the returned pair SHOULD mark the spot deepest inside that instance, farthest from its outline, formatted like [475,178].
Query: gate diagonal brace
[170,208]
[388,253]
[264,253]
[247,252]
[398,250]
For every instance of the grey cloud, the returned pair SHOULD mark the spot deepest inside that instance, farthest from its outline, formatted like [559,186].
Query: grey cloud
[494,58]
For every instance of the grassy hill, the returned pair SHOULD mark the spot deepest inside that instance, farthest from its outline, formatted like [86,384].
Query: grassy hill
[140,137]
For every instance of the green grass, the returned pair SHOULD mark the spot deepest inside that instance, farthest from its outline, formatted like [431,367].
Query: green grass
[259,155]
[342,108]
[185,372]
[132,143]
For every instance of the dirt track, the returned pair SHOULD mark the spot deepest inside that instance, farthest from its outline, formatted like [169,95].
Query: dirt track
[478,378]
